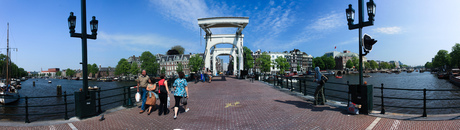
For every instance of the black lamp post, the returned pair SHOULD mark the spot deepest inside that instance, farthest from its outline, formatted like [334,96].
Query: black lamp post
[369,42]
[93,25]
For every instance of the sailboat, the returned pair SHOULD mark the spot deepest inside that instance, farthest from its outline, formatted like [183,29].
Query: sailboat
[8,93]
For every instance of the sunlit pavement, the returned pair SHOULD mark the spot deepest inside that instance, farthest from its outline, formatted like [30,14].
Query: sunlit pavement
[240,104]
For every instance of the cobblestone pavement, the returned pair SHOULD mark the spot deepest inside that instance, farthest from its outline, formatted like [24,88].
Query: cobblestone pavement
[240,104]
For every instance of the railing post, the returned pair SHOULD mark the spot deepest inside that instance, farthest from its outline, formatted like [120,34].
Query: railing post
[274,80]
[424,102]
[27,110]
[124,97]
[383,104]
[130,102]
[348,96]
[99,100]
[305,87]
[292,87]
[300,84]
[66,117]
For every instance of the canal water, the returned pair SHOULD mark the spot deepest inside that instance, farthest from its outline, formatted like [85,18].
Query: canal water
[404,80]
[43,88]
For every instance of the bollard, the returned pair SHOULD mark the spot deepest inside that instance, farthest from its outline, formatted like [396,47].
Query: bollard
[34,83]
[59,90]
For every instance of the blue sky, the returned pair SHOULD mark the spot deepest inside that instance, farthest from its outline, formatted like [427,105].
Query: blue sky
[407,31]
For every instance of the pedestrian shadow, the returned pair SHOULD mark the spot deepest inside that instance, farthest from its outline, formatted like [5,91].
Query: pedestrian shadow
[216,78]
[307,105]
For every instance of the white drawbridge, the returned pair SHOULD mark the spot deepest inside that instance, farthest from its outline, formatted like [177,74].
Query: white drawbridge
[236,40]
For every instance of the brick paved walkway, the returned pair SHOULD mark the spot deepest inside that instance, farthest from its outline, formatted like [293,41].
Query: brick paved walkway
[240,104]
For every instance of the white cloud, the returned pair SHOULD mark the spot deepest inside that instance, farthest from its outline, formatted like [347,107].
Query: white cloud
[317,29]
[388,30]
[326,22]
[145,42]
[185,12]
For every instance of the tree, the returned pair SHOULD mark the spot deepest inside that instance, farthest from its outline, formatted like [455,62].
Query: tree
[149,63]
[455,55]
[318,61]
[195,63]
[282,64]
[179,49]
[349,64]
[134,70]
[384,65]
[329,62]
[373,64]
[180,67]
[355,61]
[69,72]
[428,65]
[264,62]
[59,73]
[248,59]
[442,59]
[92,69]
[163,70]
[367,65]
[122,67]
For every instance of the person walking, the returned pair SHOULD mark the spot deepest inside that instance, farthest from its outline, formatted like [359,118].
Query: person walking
[320,88]
[151,96]
[142,83]
[163,92]
[209,75]
[180,91]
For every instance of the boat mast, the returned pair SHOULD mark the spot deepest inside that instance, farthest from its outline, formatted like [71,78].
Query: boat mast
[7,52]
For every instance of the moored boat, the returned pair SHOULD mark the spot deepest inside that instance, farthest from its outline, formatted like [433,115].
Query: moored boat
[8,94]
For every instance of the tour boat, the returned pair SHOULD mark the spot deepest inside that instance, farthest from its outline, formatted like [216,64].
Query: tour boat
[338,77]
[8,94]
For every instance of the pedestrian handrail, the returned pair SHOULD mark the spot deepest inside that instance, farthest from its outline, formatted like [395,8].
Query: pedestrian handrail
[424,99]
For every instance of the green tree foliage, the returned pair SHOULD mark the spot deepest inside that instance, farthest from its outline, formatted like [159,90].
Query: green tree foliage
[355,61]
[195,63]
[149,63]
[318,62]
[122,67]
[428,65]
[14,70]
[373,64]
[93,69]
[59,73]
[367,65]
[264,62]
[69,72]
[134,70]
[384,65]
[329,62]
[178,48]
[282,64]
[180,67]
[441,59]
[249,60]
[163,70]
[455,55]
[349,64]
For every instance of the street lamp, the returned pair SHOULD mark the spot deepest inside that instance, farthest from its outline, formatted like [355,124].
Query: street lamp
[350,13]
[84,101]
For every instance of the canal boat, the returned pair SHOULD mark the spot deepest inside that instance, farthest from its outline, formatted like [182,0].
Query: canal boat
[338,77]
[443,75]
[8,94]
[454,77]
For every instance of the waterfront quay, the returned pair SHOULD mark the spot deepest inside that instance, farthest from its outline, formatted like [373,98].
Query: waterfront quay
[229,103]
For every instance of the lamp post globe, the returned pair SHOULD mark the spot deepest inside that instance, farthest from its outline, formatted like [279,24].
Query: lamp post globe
[350,14]
[371,9]
[93,24]
[71,21]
